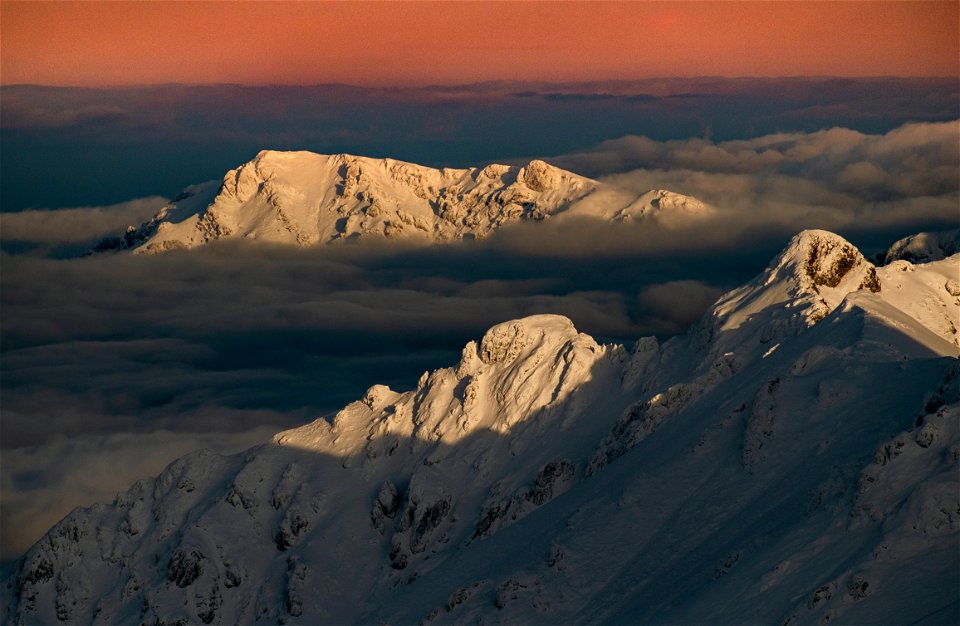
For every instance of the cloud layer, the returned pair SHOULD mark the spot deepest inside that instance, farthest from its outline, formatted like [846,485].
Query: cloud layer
[914,159]
[64,147]
[215,342]
[72,232]
[837,179]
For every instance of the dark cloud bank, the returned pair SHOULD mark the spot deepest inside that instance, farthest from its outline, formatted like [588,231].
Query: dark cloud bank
[114,365]
[66,147]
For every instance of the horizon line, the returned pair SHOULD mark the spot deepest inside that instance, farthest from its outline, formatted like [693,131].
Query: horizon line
[491,82]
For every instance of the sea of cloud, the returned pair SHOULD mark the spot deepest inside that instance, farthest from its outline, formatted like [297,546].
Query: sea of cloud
[65,147]
[113,365]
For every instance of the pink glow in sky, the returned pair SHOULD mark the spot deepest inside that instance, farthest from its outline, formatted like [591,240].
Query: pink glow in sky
[411,43]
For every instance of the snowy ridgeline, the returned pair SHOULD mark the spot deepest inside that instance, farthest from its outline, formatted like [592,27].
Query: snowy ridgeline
[792,459]
[303,198]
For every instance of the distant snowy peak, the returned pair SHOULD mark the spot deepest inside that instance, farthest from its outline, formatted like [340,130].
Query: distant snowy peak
[303,198]
[665,207]
[925,247]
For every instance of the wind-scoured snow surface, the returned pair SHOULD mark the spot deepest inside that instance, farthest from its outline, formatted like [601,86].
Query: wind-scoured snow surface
[305,198]
[792,459]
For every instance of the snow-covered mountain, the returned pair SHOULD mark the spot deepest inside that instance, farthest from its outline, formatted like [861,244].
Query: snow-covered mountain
[925,247]
[305,198]
[662,206]
[792,459]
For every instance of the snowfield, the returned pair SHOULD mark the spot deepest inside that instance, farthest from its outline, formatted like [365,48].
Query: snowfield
[793,459]
[303,198]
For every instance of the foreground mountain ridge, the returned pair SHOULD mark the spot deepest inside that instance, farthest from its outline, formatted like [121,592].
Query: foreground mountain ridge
[793,458]
[303,198]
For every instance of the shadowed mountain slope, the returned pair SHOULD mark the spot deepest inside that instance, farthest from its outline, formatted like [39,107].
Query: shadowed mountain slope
[792,459]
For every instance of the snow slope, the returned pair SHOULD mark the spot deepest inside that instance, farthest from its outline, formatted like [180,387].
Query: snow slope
[665,207]
[925,247]
[305,198]
[792,459]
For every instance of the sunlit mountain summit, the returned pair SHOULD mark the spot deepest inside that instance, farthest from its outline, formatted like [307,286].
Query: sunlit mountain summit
[791,459]
[303,198]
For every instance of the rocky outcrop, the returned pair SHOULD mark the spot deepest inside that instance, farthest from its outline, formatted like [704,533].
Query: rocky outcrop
[498,512]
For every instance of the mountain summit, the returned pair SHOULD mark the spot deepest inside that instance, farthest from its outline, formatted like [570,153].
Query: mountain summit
[792,459]
[303,198]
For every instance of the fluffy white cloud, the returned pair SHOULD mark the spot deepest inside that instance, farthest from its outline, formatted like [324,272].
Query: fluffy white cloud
[817,156]
[835,179]
[78,228]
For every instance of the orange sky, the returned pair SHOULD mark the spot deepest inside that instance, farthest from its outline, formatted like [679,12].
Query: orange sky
[410,43]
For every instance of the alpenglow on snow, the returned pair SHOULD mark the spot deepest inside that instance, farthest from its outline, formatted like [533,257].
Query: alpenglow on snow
[302,198]
[791,459]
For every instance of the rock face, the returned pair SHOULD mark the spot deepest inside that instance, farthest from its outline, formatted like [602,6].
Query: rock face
[792,459]
[302,198]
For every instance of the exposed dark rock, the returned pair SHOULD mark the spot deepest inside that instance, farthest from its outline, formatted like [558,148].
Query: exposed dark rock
[829,274]
[871,282]
[185,567]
